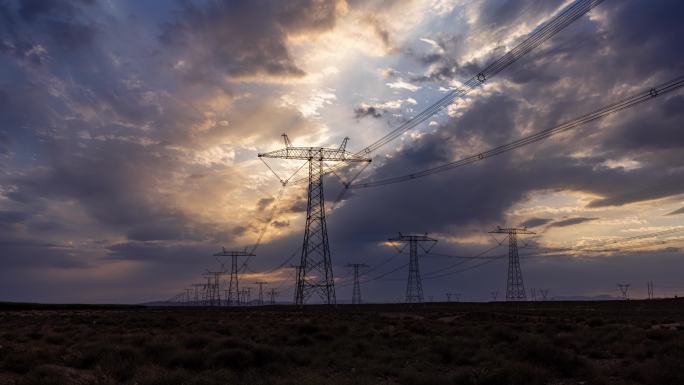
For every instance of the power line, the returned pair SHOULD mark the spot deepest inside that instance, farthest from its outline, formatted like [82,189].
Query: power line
[542,33]
[539,35]
[623,104]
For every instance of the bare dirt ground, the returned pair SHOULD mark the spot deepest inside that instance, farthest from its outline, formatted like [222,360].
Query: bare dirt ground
[561,343]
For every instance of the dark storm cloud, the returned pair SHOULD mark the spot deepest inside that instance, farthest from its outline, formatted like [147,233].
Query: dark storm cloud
[364,111]
[240,38]
[263,203]
[536,222]
[480,193]
[678,211]
[157,251]
[93,123]
[571,222]
[29,10]
[498,14]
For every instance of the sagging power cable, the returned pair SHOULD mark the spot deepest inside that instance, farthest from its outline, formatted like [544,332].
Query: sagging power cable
[623,104]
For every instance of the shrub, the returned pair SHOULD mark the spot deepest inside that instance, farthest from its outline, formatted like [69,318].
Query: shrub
[233,358]
[196,342]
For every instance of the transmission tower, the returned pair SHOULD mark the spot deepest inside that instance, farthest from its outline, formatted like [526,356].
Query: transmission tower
[316,273]
[356,292]
[515,289]
[213,291]
[649,285]
[272,294]
[260,301]
[245,295]
[544,293]
[533,294]
[495,295]
[456,296]
[233,298]
[414,287]
[624,289]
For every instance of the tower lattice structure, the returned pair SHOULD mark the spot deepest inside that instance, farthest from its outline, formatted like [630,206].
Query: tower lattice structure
[315,274]
[260,300]
[414,286]
[213,291]
[233,297]
[272,294]
[356,292]
[515,288]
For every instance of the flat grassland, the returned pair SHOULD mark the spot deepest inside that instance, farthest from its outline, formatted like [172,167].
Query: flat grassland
[618,342]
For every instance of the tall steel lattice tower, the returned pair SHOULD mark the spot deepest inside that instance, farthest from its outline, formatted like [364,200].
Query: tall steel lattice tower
[515,289]
[356,292]
[414,287]
[233,298]
[315,274]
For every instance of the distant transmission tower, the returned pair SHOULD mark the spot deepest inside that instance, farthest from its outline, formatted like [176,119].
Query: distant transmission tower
[624,289]
[414,286]
[515,289]
[544,293]
[245,295]
[495,295]
[260,300]
[213,291]
[356,292]
[649,285]
[455,296]
[233,298]
[272,294]
[316,273]
[198,289]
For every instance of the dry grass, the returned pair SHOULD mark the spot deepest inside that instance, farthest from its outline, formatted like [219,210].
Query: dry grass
[527,344]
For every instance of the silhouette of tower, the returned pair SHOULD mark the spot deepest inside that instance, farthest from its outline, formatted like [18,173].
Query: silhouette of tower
[260,300]
[649,286]
[245,295]
[414,286]
[316,273]
[272,294]
[233,298]
[544,293]
[213,288]
[356,292]
[624,289]
[515,289]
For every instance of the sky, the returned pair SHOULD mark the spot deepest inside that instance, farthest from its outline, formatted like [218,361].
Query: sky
[129,134]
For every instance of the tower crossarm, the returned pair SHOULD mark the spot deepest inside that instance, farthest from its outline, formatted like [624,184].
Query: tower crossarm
[511,230]
[409,238]
[315,153]
[228,253]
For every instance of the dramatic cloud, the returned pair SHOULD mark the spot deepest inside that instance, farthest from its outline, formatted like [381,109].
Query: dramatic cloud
[244,38]
[129,132]
[571,222]
[678,211]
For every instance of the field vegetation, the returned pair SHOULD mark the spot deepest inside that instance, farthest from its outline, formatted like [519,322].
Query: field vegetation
[618,342]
